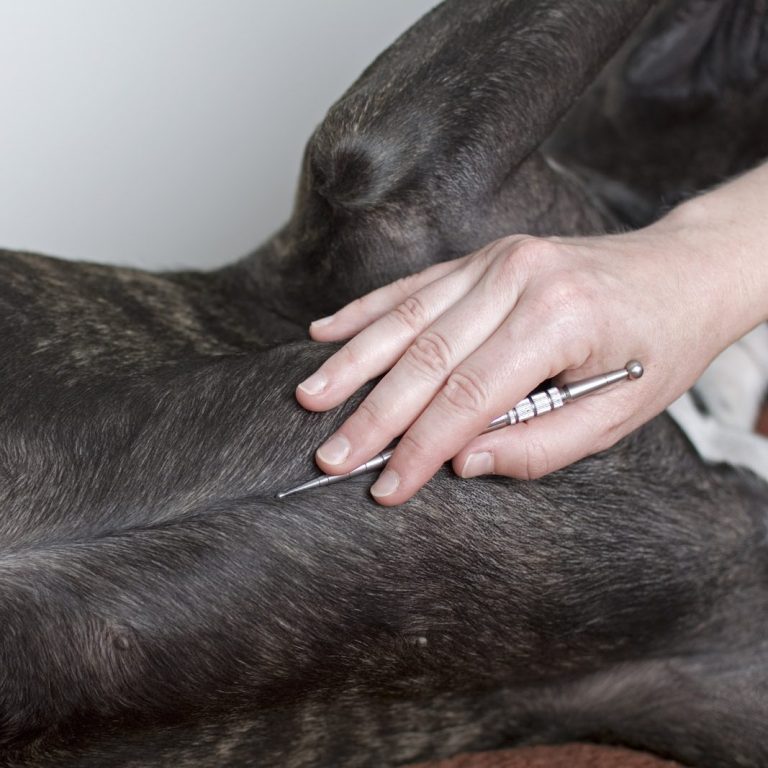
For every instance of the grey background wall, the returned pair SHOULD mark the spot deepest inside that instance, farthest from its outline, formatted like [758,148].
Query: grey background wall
[168,133]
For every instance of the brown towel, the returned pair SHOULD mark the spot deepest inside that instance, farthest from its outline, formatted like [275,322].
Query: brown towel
[566,756]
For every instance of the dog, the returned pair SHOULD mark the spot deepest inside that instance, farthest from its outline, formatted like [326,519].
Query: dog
[159,605]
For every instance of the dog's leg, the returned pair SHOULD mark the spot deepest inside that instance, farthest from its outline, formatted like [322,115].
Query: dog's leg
[462,99]
[432,152]
[204,599]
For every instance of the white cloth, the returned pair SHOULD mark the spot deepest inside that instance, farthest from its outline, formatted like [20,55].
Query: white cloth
[719,418]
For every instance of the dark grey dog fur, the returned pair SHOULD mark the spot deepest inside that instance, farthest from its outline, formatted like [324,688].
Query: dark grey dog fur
[160,608]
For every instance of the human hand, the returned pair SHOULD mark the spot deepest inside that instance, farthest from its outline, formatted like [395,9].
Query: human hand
[465,340]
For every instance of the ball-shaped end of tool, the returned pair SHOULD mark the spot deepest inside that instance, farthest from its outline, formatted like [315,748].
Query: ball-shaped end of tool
[635,369]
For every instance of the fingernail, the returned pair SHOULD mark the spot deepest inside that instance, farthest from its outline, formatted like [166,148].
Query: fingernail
[387,484]
[322,321]
[315,384]
[477,464]
[335,450]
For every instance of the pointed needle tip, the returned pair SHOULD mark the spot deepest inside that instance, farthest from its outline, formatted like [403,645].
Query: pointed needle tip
[298,488]
[289,492]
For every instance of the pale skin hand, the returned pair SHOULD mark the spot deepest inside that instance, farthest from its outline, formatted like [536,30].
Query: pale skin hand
[465,340]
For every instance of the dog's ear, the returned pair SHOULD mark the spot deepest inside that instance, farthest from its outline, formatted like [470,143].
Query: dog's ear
[432,152]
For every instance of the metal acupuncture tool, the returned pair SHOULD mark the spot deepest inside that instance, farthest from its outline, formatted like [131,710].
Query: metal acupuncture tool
[534,405]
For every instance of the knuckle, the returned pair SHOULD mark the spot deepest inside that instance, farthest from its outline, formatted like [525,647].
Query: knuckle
[567,297]
[370,413]
[535,249]
[510,268]
[348,356]
[537,462]
[570,293]
[415,445]
[430,354]
[489,253]
[358,307]
[499,247]
[482,257]
[603,442]
[411,313]
[525,256]
[614,428]
[530,253]
[466,390]
[406,285]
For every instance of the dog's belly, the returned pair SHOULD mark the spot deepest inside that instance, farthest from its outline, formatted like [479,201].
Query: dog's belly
[150,577]
[149,573]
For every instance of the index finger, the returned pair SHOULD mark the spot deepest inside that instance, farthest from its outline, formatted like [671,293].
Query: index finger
[358,314]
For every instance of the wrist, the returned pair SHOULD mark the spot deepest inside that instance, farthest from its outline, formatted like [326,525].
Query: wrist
[721,236]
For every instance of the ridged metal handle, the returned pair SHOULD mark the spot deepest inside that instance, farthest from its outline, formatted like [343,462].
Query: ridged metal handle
[529,407]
